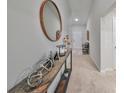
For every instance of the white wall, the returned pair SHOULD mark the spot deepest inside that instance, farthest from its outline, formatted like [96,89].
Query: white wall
[26,41]
[93,25]
[107,41]
[94,39]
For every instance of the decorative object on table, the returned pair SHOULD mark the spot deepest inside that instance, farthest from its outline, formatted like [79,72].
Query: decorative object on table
[56,57]
[35,78]
[51,57]
[67,41]
[61,49]
[66,73]
[58,34]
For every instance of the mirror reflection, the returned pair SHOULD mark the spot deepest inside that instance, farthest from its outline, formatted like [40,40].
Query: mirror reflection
[51,22]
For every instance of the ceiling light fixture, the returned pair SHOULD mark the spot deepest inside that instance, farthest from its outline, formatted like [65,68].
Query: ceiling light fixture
[76,19]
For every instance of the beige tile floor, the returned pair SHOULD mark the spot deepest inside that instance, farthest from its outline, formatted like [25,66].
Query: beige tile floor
[86,79]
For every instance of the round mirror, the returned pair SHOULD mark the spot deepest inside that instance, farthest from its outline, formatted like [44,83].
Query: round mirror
[50,20]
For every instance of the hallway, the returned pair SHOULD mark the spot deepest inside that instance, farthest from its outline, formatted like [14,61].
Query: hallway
[85,78]
[40,31]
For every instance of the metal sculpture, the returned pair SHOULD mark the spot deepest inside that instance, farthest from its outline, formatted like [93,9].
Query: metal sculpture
[35,78]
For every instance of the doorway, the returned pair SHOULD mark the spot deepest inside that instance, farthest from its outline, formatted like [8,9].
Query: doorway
[77,39]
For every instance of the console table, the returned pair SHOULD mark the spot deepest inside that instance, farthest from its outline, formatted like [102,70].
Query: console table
[62,69]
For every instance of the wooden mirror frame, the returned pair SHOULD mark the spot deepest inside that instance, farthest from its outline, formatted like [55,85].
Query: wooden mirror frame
[42,22]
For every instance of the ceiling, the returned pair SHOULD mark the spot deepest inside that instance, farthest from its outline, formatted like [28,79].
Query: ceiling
[79,9]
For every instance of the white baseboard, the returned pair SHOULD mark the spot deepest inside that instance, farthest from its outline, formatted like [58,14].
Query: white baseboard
[95,63]
[108,69]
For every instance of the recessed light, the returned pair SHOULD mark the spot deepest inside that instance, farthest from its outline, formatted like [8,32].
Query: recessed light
[76,19]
